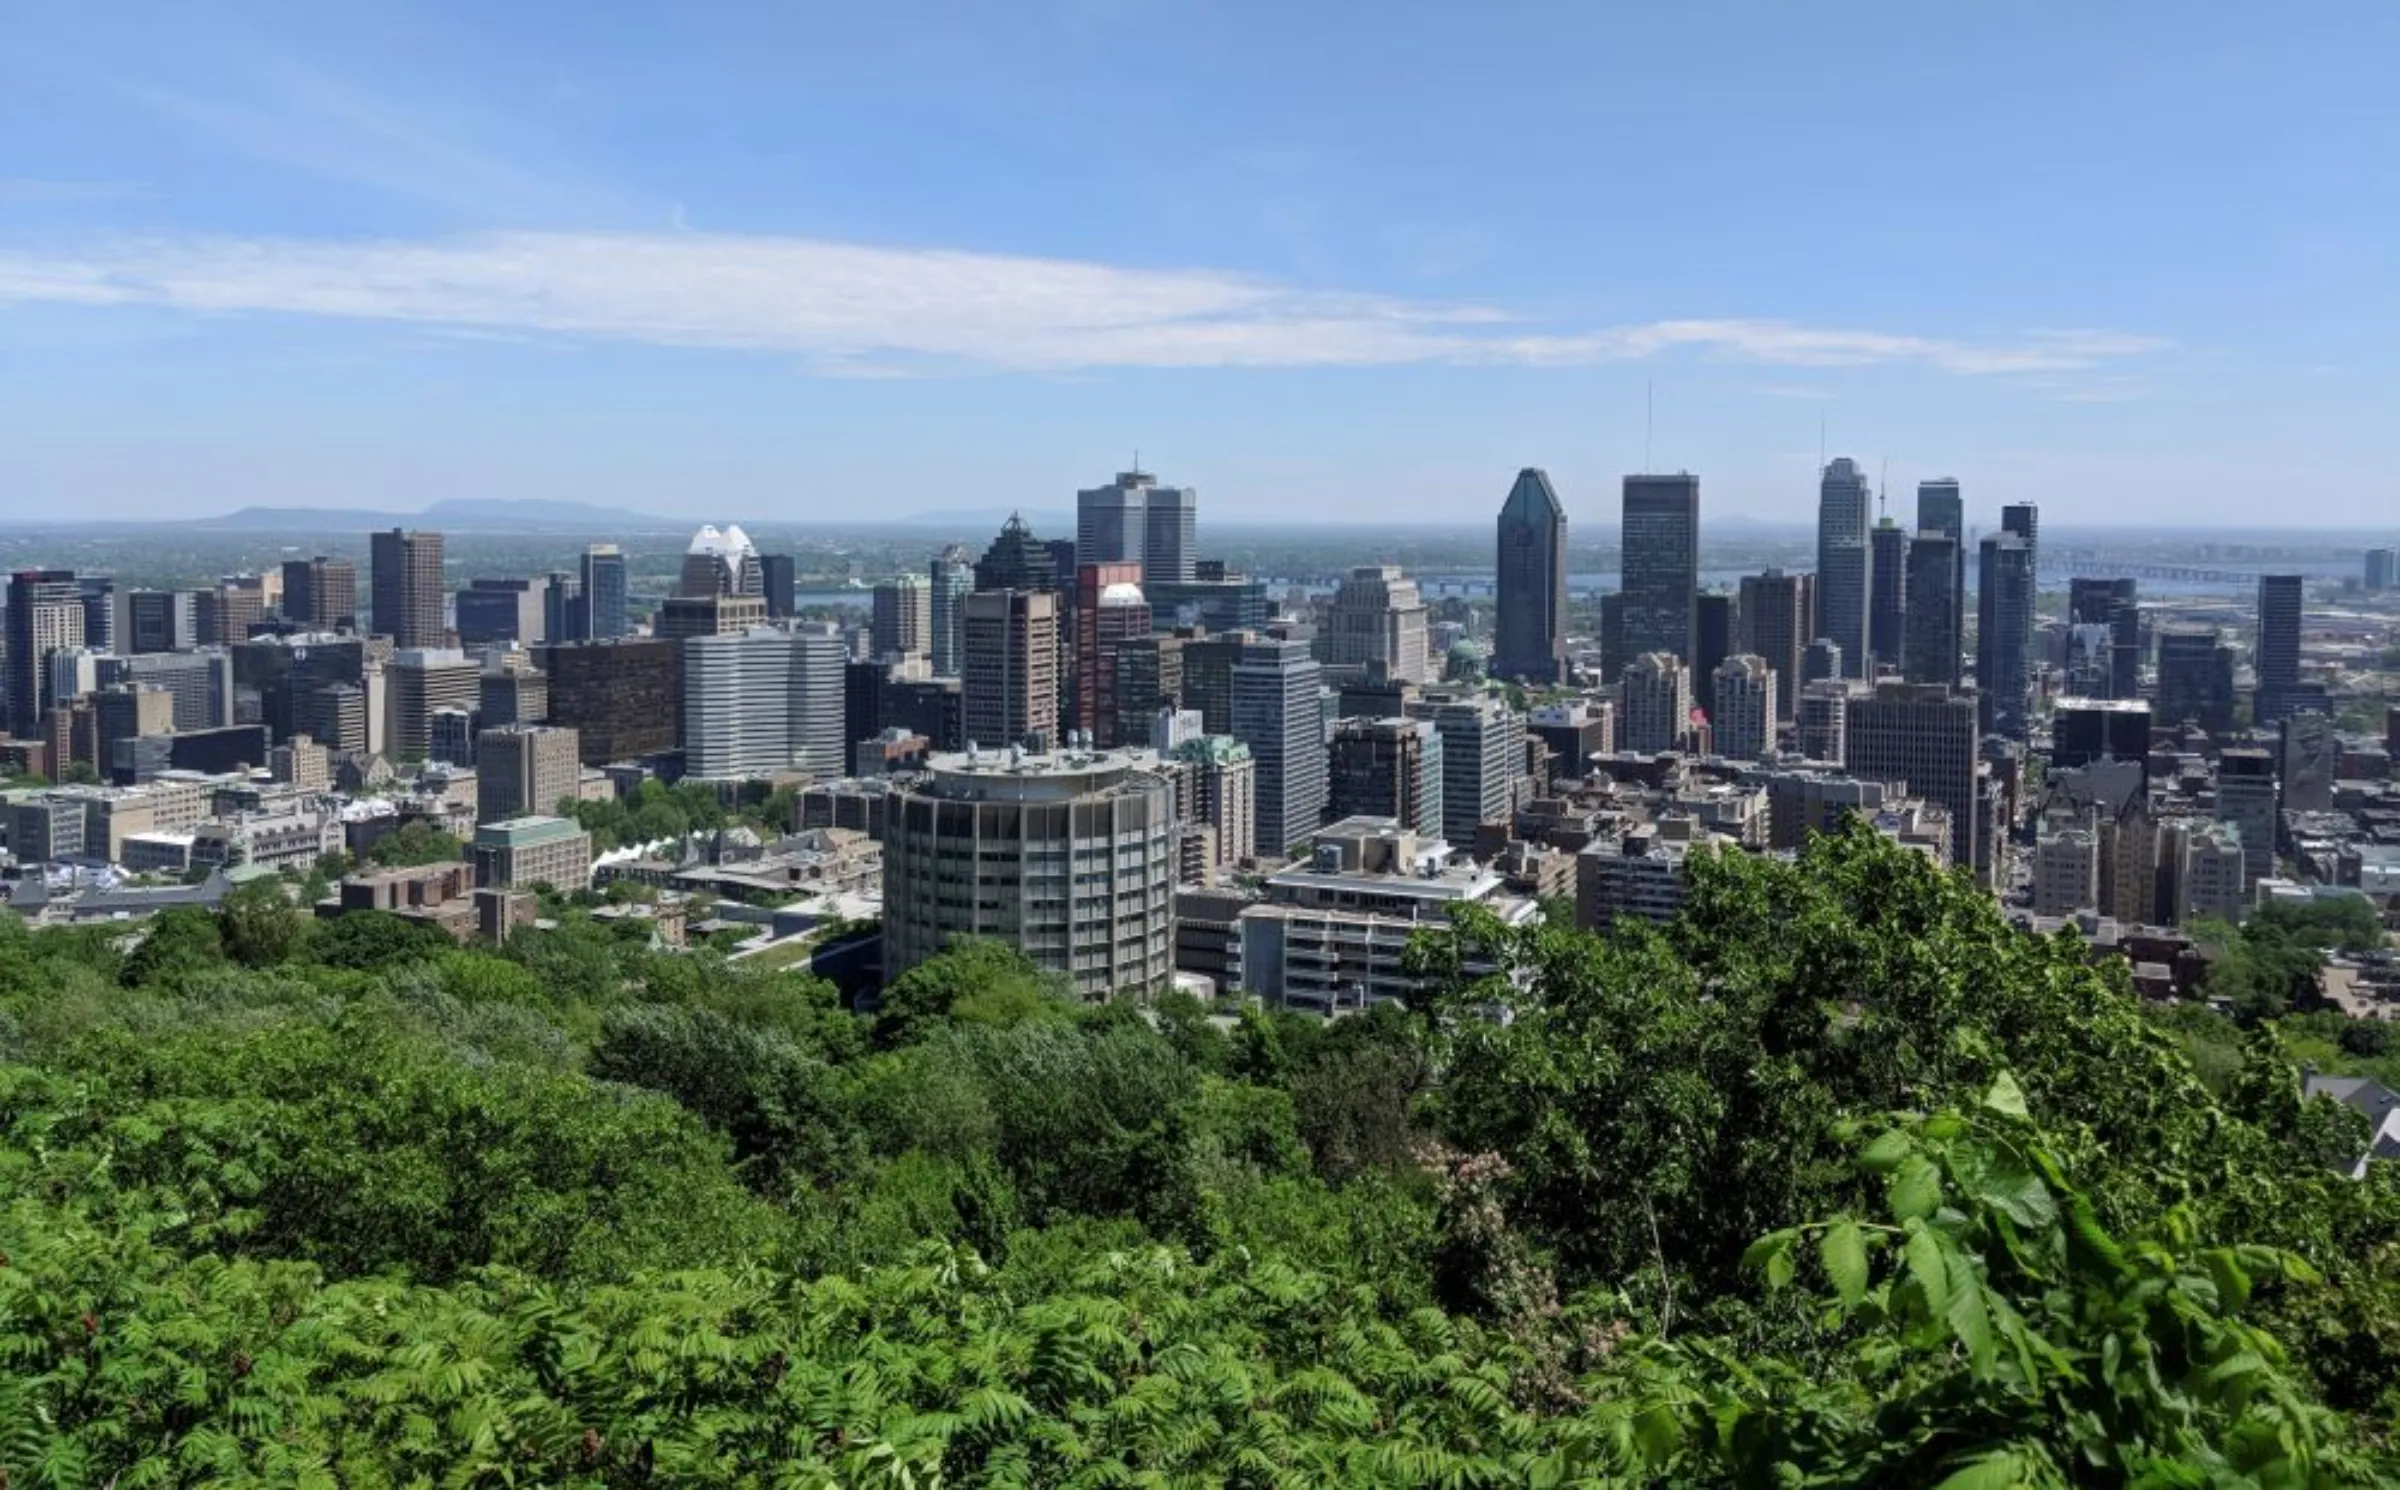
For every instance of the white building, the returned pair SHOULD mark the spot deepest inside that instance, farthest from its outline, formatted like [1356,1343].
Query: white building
[1378,619]
[2066,872]
[1743,726]
[1654,705]
[764,700]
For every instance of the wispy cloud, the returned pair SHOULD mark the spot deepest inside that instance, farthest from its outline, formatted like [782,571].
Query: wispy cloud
[857,306]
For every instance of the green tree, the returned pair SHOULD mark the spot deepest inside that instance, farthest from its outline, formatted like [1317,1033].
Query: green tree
[260,925]
[415,843]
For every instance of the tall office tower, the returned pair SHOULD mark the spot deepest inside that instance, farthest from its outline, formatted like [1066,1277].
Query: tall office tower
[2085,730]
[1529,630]
[1887,595]
[45,615]
[225,614]
[2195,678]
[2112,605]
[1713,632]
[1112,522]
[2310,759]
[1276,713]
[1821,720]
[903,624]
[1377,620]
[406,574]
[1822,660]
[2278,653]
[160,621]
[525,770]
[513,697]
[2066,872]
[1016,560]
[1483,763]
[952,576]
[1845,575]
[1170,535]
[1011,669]
[499,611]
[619,695]
[1208,677]
[1654,703]
[778,585]
[681,617]
[2004,635]
[978,846]
[1614,659]
[1742,727]
[123,714]
[1774,615]
[566,615]
[1927,736]
[1224,787]
[1387,768]
[1931,641]
[321,593]
[100,612]
[1149,678]
[2246,803]
[420,681]
[2025,521]
[200,682]
[604,592]
[288,676]
[1660,558]
[721,561]
[1109,613]
[764,700]
[1940,509]
[2383,569]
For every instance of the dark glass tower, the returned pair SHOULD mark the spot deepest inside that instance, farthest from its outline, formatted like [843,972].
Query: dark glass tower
[2278,657]
[1932,644]
[2004,634]
[1887,592]
[1845,509]
[1530,623]
[2111,603]
[1660,555]
[1940,509]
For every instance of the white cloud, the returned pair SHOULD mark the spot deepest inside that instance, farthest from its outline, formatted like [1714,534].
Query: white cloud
[860,307]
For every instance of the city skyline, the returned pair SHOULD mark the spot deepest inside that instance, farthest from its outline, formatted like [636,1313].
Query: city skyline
[370,259]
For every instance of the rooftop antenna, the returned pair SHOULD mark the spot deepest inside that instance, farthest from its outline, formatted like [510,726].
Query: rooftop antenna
[1883,488]
[1649,419]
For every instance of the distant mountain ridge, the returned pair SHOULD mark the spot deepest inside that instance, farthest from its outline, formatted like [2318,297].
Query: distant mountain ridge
[521,515]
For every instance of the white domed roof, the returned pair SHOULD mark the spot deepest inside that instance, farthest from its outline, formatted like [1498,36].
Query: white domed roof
[1123,592]
[722,543]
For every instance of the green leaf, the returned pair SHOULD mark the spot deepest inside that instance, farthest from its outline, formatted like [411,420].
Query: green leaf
[1997,1470]
[2006,1097]
[1886,1152]
[1916,1190]
[2018,1194]
[1923,1253]
[1844,1250]
[1970,1320]
[1772,1253]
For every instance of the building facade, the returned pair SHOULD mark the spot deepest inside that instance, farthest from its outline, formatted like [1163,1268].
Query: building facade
[1529,631]
[1660,564]
[408,588]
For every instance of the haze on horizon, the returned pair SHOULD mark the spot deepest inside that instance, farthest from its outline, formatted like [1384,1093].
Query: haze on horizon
[807,262]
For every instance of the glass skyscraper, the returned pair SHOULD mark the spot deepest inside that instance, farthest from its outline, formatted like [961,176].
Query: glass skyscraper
[1529,632]
[1660,559]
[1844,573]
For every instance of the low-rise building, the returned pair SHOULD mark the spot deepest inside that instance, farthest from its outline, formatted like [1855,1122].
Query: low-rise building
[528,851]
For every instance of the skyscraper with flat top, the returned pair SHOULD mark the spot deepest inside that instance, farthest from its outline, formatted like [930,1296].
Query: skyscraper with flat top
[1529,633]
[1134,520]
[1742,727]
[1845,577]
[407,588]
[45,615]
[1887,594]
[1276,713]
[1011,669]
[1932,642]
[2004,600]
[1923,735]
[1940,509]
[1774,625]
[1378,620]
[953,575]
[604,592]
[1660,556]
[2111,603]
[321,594]
[2278,656]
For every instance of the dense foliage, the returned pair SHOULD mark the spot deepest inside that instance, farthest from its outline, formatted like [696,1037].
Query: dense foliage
[1838,1181]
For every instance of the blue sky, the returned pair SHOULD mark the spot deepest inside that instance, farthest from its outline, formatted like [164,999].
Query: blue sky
[2135,262]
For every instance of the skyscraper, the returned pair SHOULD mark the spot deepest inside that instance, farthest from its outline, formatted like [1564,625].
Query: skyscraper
[903,616]
[1845,575]
[2112,604]
[523,770]
[764,700]
[1927,736]
[1377,619]
[1529,638]
[2024,520]
[1109,612]
[1388,768]
[777,576]
[1654,706]
[1016,560]
[1887,594]
[1742,727]
[2195,678]
[1170,542]
[2246,802]
[99,611]
[604,592]
[1483,763]
[406,570]
[2278,652]
[503,610]
[1276,714]
[1932,642]
[1010,669]
[2004,634]
[2383,569]
[45,615]
[160,621]
[1713,630]
[321,593]
[1112,522]
[721,561]
[1660,557]
[1774,625]
[1940,509]
[953,575]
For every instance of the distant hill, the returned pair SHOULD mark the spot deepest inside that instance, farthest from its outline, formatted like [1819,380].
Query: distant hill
[527,515]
